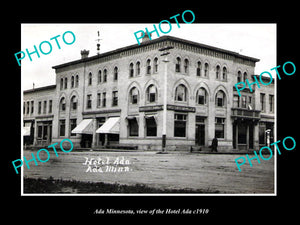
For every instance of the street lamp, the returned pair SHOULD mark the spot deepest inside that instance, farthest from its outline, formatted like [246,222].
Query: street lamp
[164,130]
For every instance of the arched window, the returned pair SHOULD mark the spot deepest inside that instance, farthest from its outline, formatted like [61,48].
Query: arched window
[131,70]
[220,99]
[74,103]
[155,62]
[72,81]
[151,93]
[66,82]
[148,66]
[181,93]
[61,83]
[105,75]
[217,72]
[239,76]
[245,77]
[99,76]
[77,81]
[178,65]
[206,69]
[90,78]
[198,72]
[115,73]
[134,95]
[138,68]
[224,74]
[62,104]
[186,66]
[201,96]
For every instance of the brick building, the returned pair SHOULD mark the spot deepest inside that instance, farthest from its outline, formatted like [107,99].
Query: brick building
[116,98]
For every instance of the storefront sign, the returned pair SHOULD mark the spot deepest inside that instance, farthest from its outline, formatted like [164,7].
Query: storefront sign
[150,108]
[181,108]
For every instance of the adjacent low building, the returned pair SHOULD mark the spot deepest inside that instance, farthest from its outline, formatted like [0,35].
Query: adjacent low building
[116,99]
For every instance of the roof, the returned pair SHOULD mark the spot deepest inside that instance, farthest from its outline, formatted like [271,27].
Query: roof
[160,39]
[40,89]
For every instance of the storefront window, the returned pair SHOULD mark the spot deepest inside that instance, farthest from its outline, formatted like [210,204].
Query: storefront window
[180,125]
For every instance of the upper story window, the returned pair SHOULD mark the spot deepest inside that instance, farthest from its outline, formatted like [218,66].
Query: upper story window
[61,83]
[198,71]
[181,93]
[178,65]
[74,102]
[131,70]
[217,72]
[50,106]
[134,95]
[220,99]
[114,98]
[90,79]
[239,77]
[105,75]
[77,81]
[72,82]
[155,64]
[245,77]
[224,74]
[148,67]
[62,104]
[99,76]
[186,66]
[271,102]
[206,70]
[66,82]
[89,101]
[115,73]
[151,93]
[138,68]
[201,96]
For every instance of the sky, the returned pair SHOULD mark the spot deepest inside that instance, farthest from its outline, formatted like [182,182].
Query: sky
[254,40]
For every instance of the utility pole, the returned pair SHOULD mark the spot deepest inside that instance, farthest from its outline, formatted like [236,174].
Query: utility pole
[164,130]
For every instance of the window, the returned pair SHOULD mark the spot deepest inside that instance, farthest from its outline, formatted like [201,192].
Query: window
[74,103]
[114,98]
[27,107]
[134,94]
[262,102]
[61,83]
[45,107]
[178,65]
[220,99]
[138,68]
[62,127]
[32,106]
[186,66]
[206,69]
[151,93]
[99,77]
[198,72]
[180,125]
[115,73]
[104,99]
[98,100]
[201,96]
[62,104]
[105,75]
[218,72]
[89,101]
[73,124]
[50,106]
[151,128]
[155,65]
[181,93]
[131,70]
[133,127]
[148,66]
[90,79]
[40,108]
[219,127]
[271,102]
[244,101]
[236,101]
[66,82]
[72,82]
[224,74]
[77,81]
[239,77]
[245,77]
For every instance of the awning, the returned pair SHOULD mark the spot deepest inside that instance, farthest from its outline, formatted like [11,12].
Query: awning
[26,131]
[111,126]
[84,127]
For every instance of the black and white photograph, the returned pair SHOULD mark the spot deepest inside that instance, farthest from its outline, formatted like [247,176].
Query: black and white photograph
[151,114]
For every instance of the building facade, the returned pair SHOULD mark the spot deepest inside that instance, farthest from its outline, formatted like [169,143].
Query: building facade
[117,98]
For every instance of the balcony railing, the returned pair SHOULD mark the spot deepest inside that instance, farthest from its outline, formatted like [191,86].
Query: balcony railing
[245,113]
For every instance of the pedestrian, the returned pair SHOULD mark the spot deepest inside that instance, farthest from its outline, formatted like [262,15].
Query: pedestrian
[214,145]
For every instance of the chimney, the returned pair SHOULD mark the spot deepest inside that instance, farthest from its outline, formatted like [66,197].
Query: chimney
[84,54]
[146,37]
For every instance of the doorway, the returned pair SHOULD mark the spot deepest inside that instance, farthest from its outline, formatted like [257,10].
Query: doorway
[200,134]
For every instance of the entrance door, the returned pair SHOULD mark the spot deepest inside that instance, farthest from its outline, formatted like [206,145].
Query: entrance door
[200,134]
